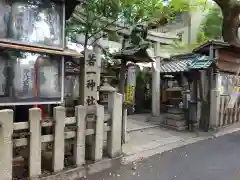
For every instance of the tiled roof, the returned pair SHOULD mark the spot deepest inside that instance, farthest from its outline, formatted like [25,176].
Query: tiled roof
[175,66]
[202,62]
[184,65]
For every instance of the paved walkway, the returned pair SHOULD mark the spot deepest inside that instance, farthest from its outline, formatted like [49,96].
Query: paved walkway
[144,135]
[212,159]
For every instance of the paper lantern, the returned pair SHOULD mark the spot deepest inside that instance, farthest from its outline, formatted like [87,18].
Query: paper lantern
[4,17]
[24,79]
[49,80]
[3,75]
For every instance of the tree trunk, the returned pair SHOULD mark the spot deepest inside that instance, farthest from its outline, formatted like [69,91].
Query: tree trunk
[231,22]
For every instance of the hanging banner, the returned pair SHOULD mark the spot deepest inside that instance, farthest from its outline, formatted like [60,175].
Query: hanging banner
[131,85]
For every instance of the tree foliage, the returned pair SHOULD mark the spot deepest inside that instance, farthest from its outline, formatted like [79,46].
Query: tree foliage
[88,17]
[211,27]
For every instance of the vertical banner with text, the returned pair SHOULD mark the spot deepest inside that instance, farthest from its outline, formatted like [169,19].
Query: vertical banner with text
[131,85]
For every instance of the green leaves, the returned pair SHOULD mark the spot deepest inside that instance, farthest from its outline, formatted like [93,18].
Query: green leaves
[211,26]
[88,17]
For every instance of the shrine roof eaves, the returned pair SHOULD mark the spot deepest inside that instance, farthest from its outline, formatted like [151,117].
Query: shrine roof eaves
[205,47]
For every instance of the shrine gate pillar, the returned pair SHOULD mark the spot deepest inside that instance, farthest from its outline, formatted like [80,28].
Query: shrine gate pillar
[156,82]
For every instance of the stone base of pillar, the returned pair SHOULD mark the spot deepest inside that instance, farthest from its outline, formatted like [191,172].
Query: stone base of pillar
[155,119]
[175,124]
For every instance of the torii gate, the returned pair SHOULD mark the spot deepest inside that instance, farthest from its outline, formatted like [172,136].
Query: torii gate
[156,37]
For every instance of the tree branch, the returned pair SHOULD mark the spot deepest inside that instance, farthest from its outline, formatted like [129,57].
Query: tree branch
[78,18]
[96,40]
[104,27]
[222,3]
[103,35]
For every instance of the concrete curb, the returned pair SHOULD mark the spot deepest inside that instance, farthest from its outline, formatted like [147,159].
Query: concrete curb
[79,172]
[142,128]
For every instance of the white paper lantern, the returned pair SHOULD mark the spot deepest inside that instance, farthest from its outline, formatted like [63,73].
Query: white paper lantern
[4,17]
[22,18]
[3,78]
[24,79]
[49,79]
[76,87]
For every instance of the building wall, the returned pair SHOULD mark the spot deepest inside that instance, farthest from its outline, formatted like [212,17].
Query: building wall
[182,26]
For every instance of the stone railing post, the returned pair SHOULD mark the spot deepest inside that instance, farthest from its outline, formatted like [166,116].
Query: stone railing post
[214,108]
[6,145]
[79,149]
[99,134]
[35,143]
[59,138]
[114,136]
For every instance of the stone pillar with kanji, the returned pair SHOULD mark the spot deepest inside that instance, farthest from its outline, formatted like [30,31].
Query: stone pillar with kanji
[88,87]
[88,98]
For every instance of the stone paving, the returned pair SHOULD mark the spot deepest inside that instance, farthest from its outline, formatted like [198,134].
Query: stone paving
[140,121]
[144,135]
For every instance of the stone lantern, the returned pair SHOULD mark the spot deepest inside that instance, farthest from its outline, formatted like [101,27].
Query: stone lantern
[106,90]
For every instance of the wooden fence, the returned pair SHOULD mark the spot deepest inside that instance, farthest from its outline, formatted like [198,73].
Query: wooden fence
[220,115]
[228,116]
[29,135]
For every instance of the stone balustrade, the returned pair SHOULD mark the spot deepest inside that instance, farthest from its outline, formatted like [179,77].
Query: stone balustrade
[29,135]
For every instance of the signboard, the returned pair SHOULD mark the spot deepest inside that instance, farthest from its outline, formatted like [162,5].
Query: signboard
[31,78]
[71,68]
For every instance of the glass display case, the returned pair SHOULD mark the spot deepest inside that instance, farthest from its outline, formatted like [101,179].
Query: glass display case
[30,78]
[33,22]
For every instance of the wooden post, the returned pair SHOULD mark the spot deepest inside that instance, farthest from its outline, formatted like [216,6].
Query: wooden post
[35,148]
[99,134]
[114,137]
[124,127]
[122,89]
[79,149]
[6,154]
[59,139]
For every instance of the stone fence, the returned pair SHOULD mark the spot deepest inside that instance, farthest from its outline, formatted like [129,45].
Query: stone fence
[82,134]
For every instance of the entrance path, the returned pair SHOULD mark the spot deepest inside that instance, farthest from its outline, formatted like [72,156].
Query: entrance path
[211,159]
[146,138]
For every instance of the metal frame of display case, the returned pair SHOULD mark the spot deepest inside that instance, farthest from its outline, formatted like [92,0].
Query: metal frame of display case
[42,49]
[61,98]
[15,42]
